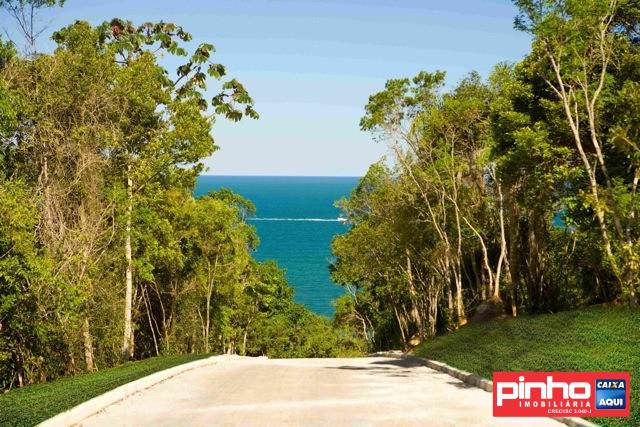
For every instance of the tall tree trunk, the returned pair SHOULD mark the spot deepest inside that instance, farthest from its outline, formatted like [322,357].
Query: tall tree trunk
[571,113]
[88,345]
[210,282]
[503,242]
[449,304]
[127,339]
[244,339]
[147,304]
[415,311]
[485,257]
[512,253]
[462,317]
[481,287]
[450,308]
[514,304]
[207,323]
[433,307]
[401,325]
[456,264]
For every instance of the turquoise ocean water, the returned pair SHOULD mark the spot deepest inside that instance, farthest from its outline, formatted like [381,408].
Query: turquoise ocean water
[296,221]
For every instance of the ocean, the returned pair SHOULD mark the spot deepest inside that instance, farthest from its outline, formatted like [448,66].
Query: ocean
[296,220]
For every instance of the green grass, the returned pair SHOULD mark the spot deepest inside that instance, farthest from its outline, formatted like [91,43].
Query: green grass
[597,338]
[33,404]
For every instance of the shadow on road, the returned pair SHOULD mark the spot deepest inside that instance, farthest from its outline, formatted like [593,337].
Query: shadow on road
[393,368]
[403,363]
[460,384]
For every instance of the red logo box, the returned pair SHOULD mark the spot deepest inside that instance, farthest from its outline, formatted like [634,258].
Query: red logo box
[561,394]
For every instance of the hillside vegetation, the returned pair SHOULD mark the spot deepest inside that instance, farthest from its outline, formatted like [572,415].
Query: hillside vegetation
[516,189]
[598,338]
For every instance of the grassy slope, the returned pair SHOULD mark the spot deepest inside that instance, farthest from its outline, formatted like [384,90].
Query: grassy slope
[32,404]
[590,339]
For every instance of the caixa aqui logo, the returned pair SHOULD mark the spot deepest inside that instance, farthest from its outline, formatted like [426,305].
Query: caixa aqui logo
[561,394]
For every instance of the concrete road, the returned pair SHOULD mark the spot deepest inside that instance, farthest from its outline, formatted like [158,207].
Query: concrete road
[373,391]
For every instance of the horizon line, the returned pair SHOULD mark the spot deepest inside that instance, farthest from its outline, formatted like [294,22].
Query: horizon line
[282,176]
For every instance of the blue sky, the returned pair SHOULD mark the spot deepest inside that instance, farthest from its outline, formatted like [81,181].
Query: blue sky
[311,65]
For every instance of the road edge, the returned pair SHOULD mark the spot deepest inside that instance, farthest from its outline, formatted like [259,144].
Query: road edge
[476,381]
[92,406]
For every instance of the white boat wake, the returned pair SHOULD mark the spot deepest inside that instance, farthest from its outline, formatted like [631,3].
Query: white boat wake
[300,219]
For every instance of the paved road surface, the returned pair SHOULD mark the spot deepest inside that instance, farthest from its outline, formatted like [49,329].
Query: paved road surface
[373,391]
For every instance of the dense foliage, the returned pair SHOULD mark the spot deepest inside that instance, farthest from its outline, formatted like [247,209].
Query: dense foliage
[514,194]
[598,338]
[105,255]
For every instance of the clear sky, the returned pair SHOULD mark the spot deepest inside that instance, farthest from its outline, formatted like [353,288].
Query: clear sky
[310,65]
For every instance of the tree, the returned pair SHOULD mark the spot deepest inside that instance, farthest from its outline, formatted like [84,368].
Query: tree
[161,123]
[32,301]
[519,189]
[223,242]
[65,105]
[25,15]
[576,45]
[441,144]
